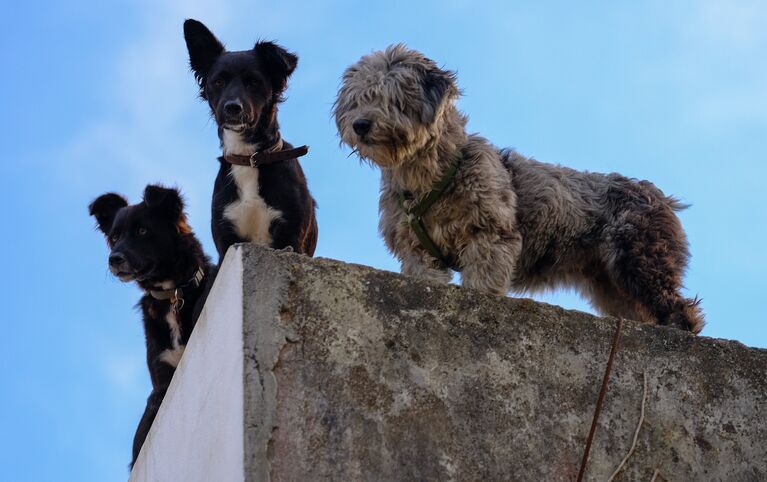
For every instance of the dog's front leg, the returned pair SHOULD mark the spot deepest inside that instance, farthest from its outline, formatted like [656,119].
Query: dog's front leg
[285,233]
[488,262]
[150,412]
[403,243]
[420,264]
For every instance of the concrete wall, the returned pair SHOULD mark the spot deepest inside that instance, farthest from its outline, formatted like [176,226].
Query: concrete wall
[317,370]
[197,434]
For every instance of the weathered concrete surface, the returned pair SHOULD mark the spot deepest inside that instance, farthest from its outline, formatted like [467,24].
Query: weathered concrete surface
[356,374]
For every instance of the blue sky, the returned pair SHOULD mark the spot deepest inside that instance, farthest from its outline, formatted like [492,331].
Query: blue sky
[96,96]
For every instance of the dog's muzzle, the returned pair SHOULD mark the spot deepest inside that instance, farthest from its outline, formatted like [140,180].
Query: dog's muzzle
[119,266]
[362,127]
[118,263]
[234,116]
[233,108]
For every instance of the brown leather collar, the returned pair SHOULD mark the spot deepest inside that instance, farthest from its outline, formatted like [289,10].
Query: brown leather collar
[266,157]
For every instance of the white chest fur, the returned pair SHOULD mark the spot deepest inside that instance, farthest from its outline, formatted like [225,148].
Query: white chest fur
[172,355]
[249,214]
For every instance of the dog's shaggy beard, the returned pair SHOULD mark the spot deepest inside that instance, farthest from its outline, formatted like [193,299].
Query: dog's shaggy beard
[386,146]
[386,155]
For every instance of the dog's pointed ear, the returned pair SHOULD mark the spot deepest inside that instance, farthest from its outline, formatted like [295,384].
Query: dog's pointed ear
[204,48]
[166,200]
[104,208]
[438,86]
[279,62]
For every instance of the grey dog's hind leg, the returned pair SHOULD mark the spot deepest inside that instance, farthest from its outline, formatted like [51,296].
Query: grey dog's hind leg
[646,255]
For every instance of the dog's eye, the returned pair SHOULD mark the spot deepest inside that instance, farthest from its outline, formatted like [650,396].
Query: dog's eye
[113,238]
[141,231]
[219,82]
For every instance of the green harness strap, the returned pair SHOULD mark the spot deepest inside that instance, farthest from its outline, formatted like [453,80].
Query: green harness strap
[415,216]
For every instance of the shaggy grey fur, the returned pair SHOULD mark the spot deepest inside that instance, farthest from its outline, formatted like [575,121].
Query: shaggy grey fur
[510,221]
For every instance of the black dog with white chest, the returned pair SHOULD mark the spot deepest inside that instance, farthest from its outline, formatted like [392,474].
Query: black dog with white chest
[151,243]
[260,194]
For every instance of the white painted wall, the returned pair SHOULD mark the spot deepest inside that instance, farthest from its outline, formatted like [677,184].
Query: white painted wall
[198,432]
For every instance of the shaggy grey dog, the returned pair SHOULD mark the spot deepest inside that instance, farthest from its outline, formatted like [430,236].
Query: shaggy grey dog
[505,221]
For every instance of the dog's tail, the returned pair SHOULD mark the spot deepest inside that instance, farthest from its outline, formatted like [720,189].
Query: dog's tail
[675,204]
[672,202]
[689,316]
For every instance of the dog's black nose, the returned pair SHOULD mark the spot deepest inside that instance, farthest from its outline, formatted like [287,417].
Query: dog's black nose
[361,126]
[232,108]
[116,260]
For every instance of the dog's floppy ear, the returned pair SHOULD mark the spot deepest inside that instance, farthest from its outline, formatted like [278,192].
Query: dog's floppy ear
[204,48]
[438,85]
[166,200]
[279,62]
[104,208]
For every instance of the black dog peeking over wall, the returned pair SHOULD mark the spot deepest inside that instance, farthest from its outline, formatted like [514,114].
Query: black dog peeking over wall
[152,244]
[269,203]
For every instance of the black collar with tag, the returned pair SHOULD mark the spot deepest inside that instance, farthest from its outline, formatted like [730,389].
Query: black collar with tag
[176,294]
